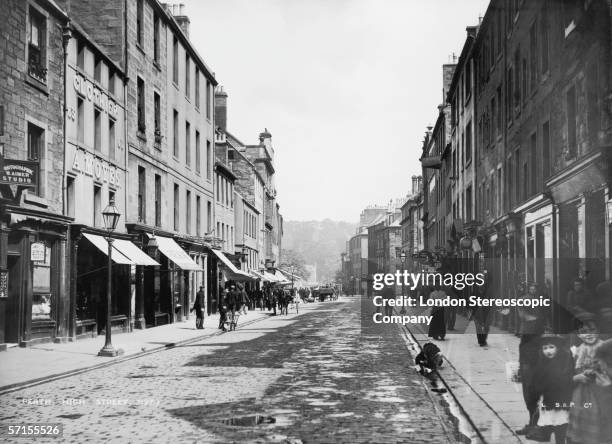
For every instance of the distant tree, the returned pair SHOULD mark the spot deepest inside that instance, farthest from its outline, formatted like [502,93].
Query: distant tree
[293,262]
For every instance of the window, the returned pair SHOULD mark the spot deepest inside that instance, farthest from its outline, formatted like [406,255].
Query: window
[208,99]
[494,112]
[156,32]
[509,95]
[176,207]
[197,88]
[217,194]
[544,41]
[468,143]
[533,58]
[80,121]
[158,200]
[533,154]
[97,207]
[198,216]
[141,105]
[36,136]
[468,78]
[70,196]
[517,180]
[175,67]
[517,79]
[499,192]
[592,88]
[546,154]
[111,82]
[111,196]
[188,213]
[97,129]
[142,194]
[198,157]
[111,139]
[187,79]
[208,160]
[187,143]
[37,57]
[525,184]
[175,134]
[499,111]
[524,85]
[41,287]
[81,55]
[208,216]
[98,70]
[139,22]
[571,122]
[157,117]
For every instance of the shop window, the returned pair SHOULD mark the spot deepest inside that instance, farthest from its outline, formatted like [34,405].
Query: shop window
[41,287]
[36,138]
[37,38]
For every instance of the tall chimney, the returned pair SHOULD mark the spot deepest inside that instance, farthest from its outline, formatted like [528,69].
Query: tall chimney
[415,185]
[221,108]
[178,11]
[447,77]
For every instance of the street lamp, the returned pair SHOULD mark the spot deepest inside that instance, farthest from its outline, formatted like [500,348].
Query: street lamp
[111,217]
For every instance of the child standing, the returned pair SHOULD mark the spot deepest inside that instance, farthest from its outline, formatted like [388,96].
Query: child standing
[553,385]
[584,423]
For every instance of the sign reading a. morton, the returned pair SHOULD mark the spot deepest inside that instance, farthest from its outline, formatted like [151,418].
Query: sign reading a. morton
[18,172]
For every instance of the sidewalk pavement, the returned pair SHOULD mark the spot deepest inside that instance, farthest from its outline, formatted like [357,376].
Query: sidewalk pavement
[24,366]
[479,379]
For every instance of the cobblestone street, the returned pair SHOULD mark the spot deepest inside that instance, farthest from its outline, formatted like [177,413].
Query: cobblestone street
[319,375]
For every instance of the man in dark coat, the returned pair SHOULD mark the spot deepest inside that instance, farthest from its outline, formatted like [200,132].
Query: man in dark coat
[233,300]
[198,307]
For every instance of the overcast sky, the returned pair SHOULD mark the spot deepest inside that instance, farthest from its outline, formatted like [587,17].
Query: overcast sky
[345,87]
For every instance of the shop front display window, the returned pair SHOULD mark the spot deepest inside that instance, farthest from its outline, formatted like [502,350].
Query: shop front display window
[41,287]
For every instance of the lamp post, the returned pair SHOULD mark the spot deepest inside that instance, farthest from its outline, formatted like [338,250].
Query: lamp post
[111,217]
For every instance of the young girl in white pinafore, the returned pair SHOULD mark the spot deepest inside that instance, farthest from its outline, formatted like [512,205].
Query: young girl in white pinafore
[553,384]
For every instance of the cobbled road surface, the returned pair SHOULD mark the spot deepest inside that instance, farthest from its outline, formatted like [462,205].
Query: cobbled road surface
[328,375]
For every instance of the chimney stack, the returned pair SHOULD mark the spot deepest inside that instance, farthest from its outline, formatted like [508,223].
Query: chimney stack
[178,12]
[221,108]
[415,185]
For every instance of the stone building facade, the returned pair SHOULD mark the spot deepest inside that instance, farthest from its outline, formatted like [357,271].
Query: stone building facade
[34,302]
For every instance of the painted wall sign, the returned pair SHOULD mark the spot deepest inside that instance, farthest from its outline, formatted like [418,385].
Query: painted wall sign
[93,94]
[38,252]
[18,172]
[90,165]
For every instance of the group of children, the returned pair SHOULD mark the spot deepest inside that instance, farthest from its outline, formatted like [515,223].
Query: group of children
[574,386]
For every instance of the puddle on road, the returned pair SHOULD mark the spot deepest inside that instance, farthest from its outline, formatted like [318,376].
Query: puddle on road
[71,416]
[248,421]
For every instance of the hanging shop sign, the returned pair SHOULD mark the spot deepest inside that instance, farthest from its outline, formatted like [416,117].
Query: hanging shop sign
[87,89]
[18,172]
[3,283]
[38,252]
[90,165]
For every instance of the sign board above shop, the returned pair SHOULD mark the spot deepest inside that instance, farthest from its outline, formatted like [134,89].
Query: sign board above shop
[88,164]
[18,172]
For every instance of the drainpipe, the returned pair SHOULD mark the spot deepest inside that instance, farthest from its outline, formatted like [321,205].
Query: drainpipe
[66,259]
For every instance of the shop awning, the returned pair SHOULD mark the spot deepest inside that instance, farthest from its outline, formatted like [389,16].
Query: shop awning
[270,277]
[131,251]
[102,244]
[176,254]
[281,277]
[258,275]
[237,274]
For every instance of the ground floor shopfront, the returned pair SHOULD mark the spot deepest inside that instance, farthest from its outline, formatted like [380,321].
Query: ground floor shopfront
[34,306]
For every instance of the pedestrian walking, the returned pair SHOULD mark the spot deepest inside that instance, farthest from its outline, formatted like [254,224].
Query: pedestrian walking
[198,307]
[233,300]
[553,386]
[244,298]
[437,326]
[531,326]
[482,314]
